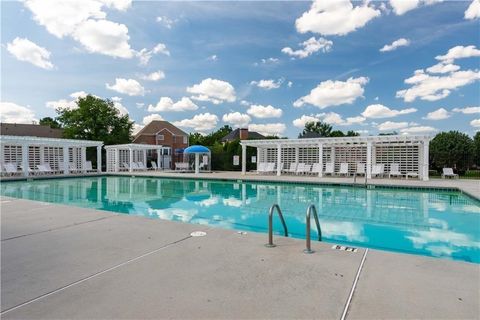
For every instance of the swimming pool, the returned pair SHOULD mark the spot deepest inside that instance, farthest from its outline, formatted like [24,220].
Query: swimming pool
[432,223]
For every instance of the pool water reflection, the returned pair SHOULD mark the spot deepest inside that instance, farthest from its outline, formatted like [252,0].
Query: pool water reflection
[432,223]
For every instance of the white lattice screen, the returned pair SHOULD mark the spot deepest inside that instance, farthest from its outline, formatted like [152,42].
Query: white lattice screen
[53,156]
[351,154]
[308,155]
[407,156]
[111,160]
[75,157]
[34,158]
[12,154]
[327,156]
[288,156]
[271,155]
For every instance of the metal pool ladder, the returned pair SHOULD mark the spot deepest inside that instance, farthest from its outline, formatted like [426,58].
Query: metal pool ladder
[311,209]
[270,243]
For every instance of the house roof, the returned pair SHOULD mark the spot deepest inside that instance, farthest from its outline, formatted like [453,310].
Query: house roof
[157,125]
[235,134]
[30,130]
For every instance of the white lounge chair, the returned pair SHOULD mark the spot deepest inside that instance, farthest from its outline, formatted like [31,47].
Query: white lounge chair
[49,168]
[154,165]
[329,168]
[270,168]
[360,169]
[261,166]
[182,166]
[394,171]
[300,168]
[12,169]
[141,166]
[292,169]
[73,168]
[44,169]
[316,168]
[448,173]
[88,167]
[378,170]
[343,169]
[307,169]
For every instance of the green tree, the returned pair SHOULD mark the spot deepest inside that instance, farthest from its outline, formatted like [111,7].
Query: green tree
[351,133]
[322,128]
[451,149]
[476,141]
[336,133]
[95,119]
[52,123]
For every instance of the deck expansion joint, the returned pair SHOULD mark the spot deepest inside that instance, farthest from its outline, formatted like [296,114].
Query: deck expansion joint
[354,286]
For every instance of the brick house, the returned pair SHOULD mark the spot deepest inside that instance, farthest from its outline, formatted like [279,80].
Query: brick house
[242,134]
[163,133]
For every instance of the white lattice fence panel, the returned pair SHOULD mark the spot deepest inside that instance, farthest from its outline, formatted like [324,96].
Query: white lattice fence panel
[75,157]
[308,155]
[407,156]
[351,154]
[271,155]
[288,156]
[327,156]
[53,156]
[12,154]
[123,157]
[111,160]
[34,158]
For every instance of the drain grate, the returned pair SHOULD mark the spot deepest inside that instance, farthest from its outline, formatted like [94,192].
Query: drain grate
[198,234]
[344,248]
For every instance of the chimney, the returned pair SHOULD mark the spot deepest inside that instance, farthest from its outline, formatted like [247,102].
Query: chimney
[243,134]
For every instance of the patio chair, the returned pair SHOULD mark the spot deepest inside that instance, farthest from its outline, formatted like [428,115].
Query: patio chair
[293,168]
[307,169]
[316,168]
[61,167]
[448,173]
[44,170]
[261,166]
[329,168]
[343,169]
[360,169]
[73,168]
[31,172]
[11,169]
[270,168]
[141,166]
[378,170]
[49,168]
[394,171]
[88,167]
[135,166]
[154,165]
[300,168]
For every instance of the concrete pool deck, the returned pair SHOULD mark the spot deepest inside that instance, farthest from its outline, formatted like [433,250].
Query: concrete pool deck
[67,262]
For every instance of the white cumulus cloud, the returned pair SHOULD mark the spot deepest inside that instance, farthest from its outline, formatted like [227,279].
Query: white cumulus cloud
[262,112]
[268,84]
[467,110]
[336,119]
[401,7]
[304,119]
[145,55]
[117,103]
[390,125]
[309,47]
[26,50]
[130,87]
[332,93]
[167,104]
[268,129]
[335,17]
[200,122]
[438,114]
[154,76]
[151,117]
[443,68]
[475,123]
[402,42]
[459,52]
[13,113]
[473,10]
[237,119]
[377,111]
[213,90]
[418,130]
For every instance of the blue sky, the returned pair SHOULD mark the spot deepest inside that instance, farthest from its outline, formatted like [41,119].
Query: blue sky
[269,66]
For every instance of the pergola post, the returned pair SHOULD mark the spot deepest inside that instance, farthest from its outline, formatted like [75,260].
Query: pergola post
[42,155]
[244,159]
[259,150]
[99,159]
[197,163]
[145,157]
[425,160]
[369,160]
[279,159]
[117,160]
[159,162]
[66,162]
[25,164]
[130,159]
[83,156]
[297,156]
[320,159]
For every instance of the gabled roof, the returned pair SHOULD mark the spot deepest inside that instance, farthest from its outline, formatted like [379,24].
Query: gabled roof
[30,130]
[158,125]
[235,134]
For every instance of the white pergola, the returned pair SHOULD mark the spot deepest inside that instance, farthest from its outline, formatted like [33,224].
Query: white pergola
[129,153]
[61,154]
[410,152]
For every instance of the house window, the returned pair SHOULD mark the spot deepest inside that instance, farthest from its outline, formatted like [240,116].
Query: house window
[160,137]
[185,139]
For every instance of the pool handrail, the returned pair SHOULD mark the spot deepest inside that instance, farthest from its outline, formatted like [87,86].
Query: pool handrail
[270,243]
[311,208]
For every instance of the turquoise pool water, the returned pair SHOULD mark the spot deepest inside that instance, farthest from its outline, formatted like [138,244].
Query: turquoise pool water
[433,223]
